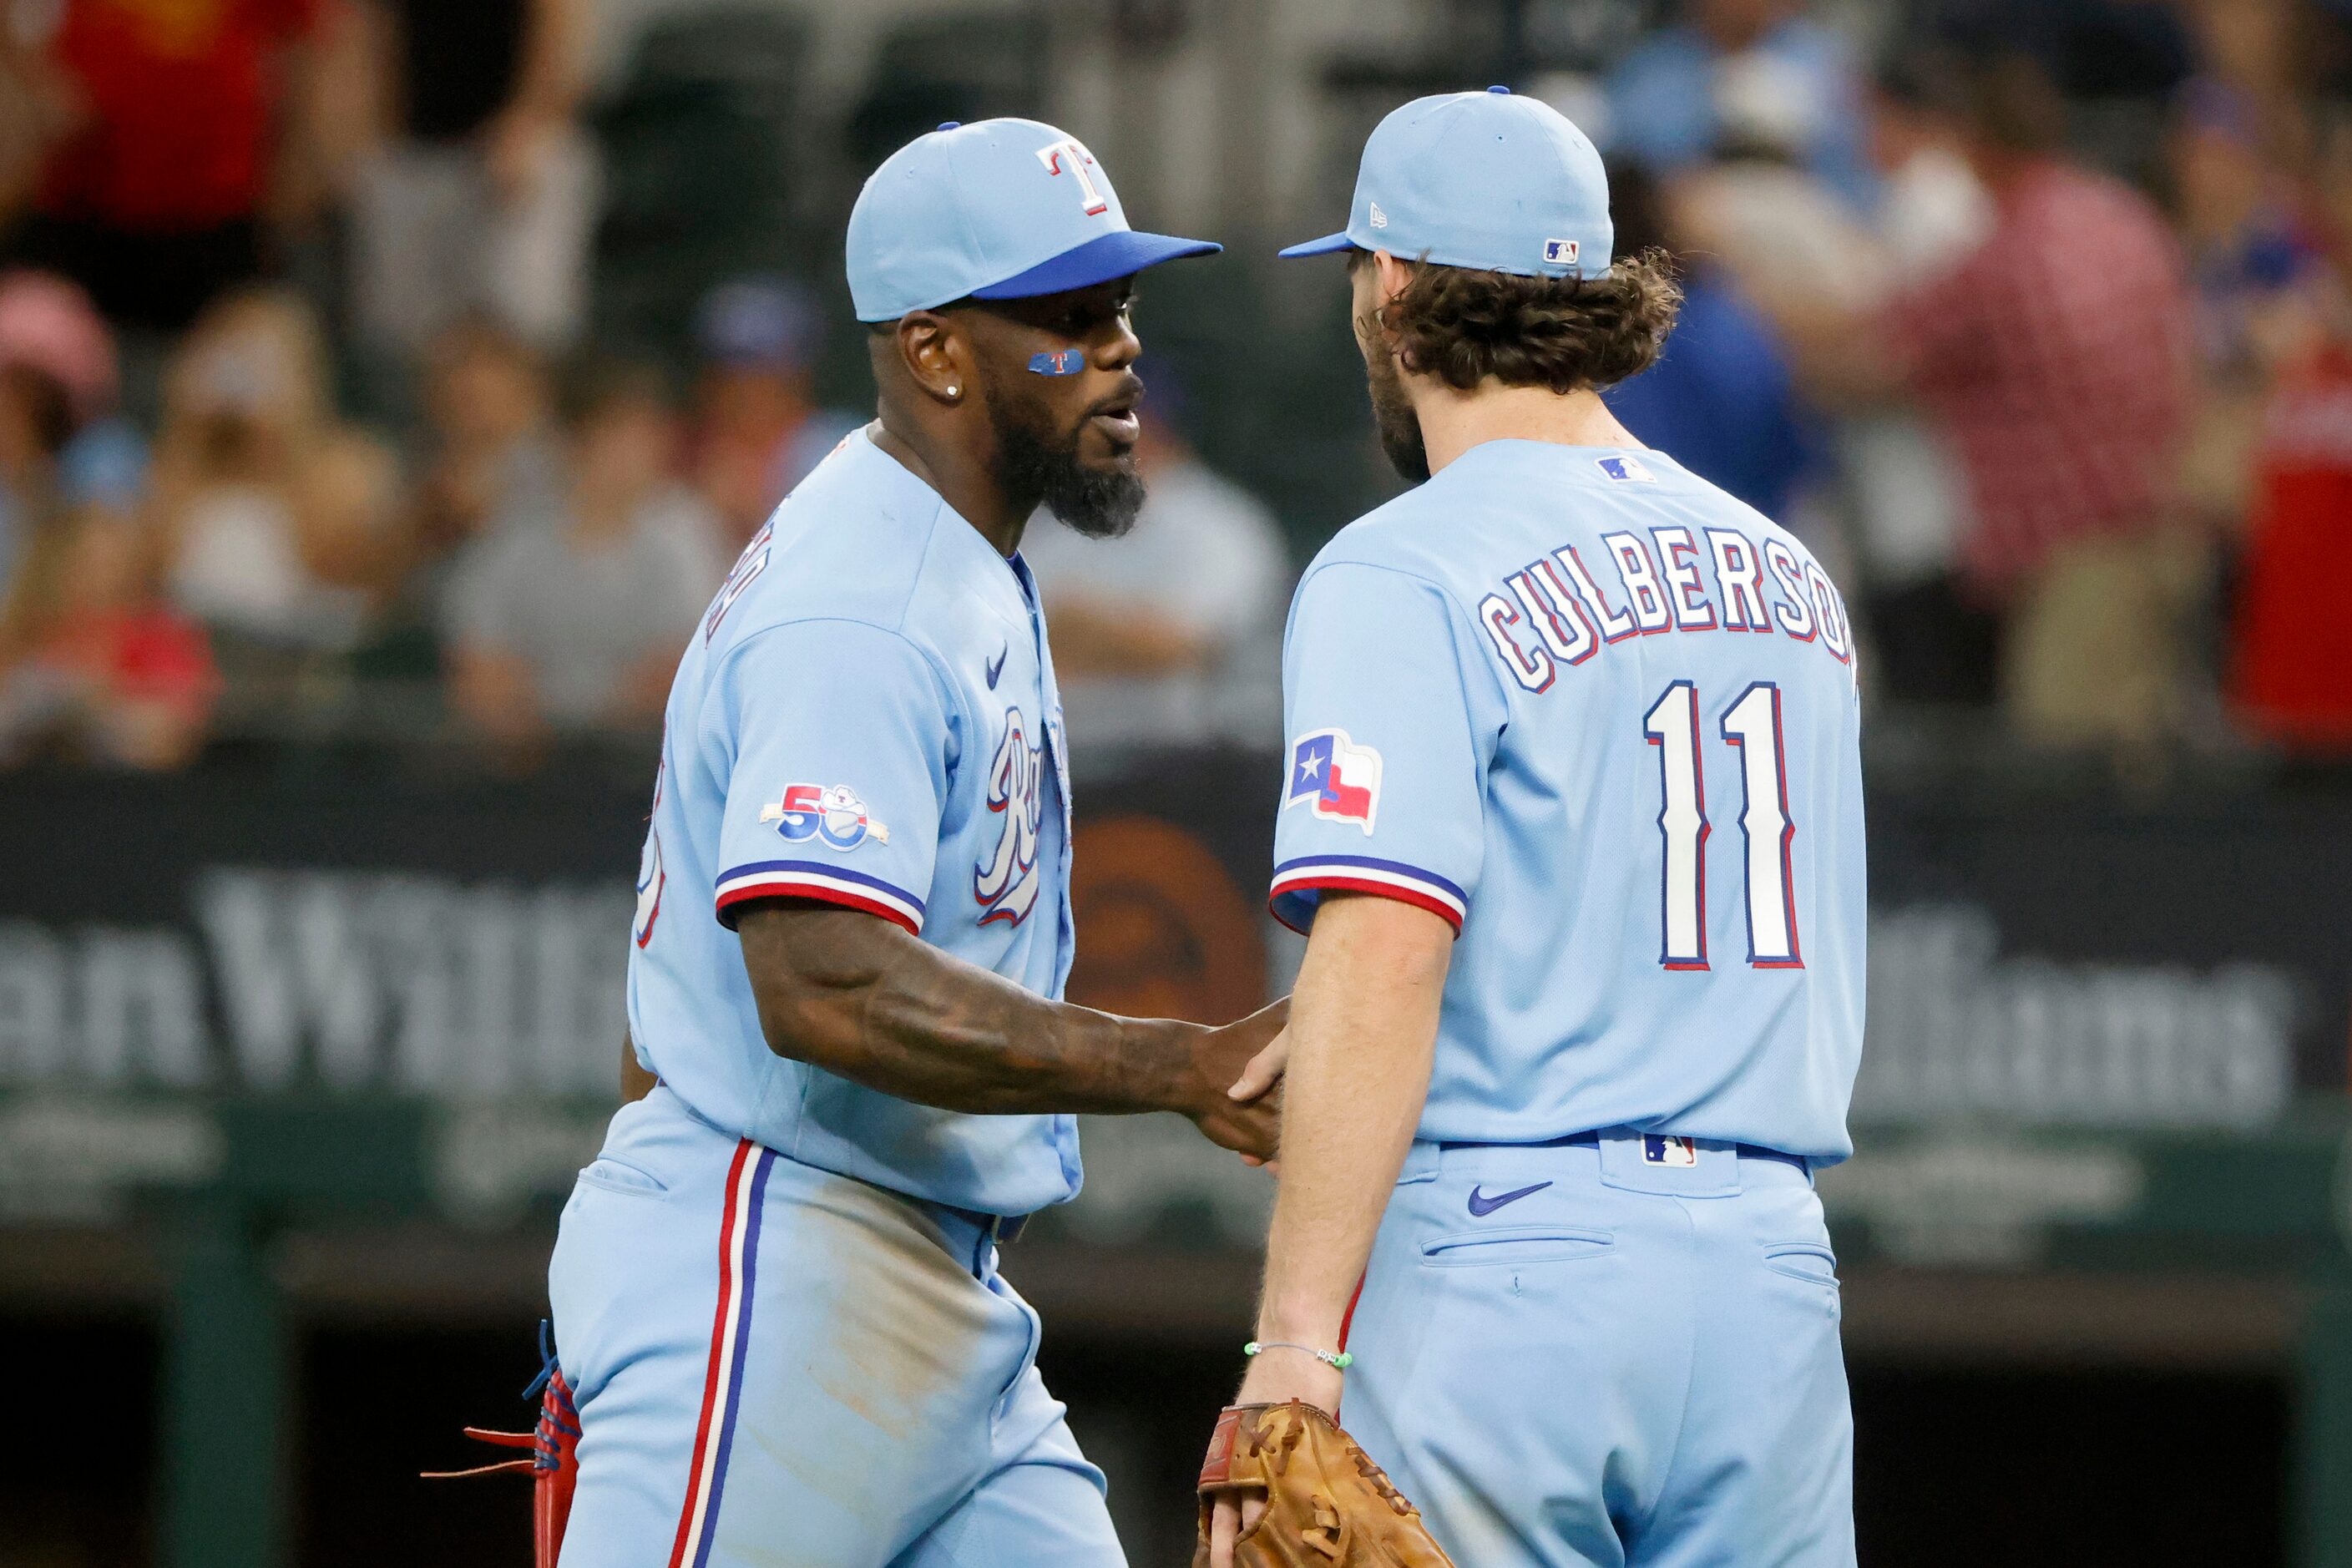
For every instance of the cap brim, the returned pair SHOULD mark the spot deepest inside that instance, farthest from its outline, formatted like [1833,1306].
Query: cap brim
[1119,254]
[1323,246]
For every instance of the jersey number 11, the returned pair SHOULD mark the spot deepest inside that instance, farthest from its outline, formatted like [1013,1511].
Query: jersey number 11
[1753,724]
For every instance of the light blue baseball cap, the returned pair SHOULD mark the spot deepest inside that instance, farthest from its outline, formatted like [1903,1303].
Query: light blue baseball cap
[999,209]
[1488,180]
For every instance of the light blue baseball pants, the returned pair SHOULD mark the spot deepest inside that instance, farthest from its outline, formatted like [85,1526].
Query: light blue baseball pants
[1620,1353]
[780,1366]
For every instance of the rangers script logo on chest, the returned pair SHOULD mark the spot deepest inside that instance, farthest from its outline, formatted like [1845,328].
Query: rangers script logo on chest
[1005,884]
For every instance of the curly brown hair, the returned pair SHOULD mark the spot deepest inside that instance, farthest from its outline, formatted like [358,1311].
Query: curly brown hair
[1571,334]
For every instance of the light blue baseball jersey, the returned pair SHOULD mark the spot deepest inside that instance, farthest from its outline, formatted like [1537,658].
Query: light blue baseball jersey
[867,717]
[1604,719]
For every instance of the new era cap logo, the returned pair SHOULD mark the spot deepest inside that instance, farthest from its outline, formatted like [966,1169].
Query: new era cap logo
[1560,252]
[1379,218]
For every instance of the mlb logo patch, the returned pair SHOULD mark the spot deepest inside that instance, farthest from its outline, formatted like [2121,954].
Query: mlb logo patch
[1667,1150]
[1626,468]
[1341,780]
[1559,252]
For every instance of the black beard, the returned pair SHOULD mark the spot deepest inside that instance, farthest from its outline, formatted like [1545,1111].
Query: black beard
[1034,464]
[1392,416]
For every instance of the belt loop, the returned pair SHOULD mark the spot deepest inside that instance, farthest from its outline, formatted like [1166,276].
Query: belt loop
[1422,1162]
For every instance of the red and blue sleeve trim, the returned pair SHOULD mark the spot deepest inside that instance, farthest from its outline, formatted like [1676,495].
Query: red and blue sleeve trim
[1297,885]
[824,883]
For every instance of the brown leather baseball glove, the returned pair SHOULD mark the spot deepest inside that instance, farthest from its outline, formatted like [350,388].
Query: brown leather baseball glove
[1327,1504]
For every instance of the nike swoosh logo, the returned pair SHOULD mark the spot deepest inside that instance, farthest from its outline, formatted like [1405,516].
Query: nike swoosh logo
[996,665]
[1483,1205]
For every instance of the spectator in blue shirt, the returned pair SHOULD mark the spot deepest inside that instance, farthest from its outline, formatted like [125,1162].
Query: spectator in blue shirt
[760,427]
[1721,398]
[1667,97]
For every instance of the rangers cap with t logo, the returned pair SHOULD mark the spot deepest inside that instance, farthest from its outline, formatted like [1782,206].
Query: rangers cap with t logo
[1488,180]
[999,209]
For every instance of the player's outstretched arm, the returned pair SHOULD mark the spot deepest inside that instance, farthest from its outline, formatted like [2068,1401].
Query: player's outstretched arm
[859,996]
[1361,1037]
[1360,1041]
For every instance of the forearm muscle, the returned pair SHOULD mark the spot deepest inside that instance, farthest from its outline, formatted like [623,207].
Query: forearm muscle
[862,998]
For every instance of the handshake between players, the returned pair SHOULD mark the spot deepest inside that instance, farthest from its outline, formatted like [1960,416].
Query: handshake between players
[1563,1053]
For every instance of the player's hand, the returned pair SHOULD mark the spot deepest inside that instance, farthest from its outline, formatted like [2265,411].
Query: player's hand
[1264,1071]
[1228,1523]
[1222,1059]
[1276,1375]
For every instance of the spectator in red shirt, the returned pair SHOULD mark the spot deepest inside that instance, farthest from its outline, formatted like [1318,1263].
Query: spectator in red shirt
[2293,676]
[156,186]
[117,675]
[2056,357]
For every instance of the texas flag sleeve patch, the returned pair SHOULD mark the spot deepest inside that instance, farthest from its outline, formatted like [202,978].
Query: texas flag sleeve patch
[1339,781]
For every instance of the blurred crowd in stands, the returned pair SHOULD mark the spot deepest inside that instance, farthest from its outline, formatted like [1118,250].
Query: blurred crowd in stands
[2060,404]
[2030,316]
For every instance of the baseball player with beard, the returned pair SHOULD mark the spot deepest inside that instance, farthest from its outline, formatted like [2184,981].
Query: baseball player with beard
[1573,816]
[776,1298]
